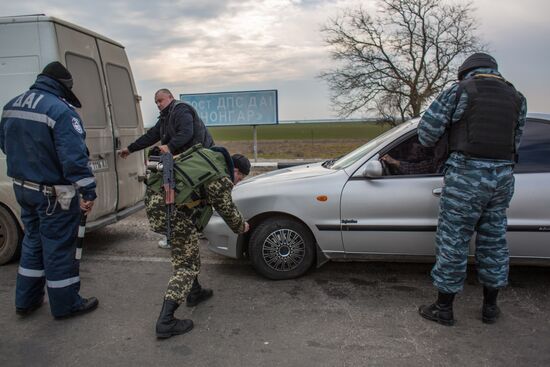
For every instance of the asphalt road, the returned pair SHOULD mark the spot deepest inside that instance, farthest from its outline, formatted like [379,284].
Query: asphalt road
[343,314]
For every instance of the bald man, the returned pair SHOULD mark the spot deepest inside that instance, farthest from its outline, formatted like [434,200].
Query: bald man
[178,128]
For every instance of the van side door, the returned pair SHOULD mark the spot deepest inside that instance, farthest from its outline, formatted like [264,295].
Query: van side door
[126,121]
[82,58]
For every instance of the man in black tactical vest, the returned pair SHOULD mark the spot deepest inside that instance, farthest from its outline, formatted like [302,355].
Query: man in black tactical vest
[482,116]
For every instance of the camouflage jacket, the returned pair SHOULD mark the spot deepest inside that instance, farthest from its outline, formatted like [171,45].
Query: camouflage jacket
[446,110]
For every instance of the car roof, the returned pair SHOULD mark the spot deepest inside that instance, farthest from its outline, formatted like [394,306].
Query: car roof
[531,115]
[539,116]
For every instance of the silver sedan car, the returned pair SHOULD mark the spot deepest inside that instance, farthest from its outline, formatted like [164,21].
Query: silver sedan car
[357,208]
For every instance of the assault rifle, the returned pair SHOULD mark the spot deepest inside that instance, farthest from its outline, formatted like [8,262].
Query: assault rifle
[169,183]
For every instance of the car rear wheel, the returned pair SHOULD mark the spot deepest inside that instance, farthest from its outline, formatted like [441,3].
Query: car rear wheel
[10,237]
[281,248]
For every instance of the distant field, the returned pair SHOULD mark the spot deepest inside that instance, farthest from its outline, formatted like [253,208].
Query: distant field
[290,141]
[307,132]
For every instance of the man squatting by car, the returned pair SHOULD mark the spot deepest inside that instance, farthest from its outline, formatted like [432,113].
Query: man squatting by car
[213,172]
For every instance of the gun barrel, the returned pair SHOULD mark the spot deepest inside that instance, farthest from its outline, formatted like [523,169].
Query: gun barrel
[167,165]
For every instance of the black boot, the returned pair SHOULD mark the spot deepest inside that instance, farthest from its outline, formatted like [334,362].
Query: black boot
[27,311]
[168,325]
[87,305]
[441,311]
[490,310]
[197,294]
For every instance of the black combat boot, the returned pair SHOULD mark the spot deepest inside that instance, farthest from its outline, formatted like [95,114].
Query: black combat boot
[87,305]
[27,311]
[197,294]
[490,310]
[441,311]
[168,325]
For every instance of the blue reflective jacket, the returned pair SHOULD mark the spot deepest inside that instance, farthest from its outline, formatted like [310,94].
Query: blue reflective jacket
[43,139]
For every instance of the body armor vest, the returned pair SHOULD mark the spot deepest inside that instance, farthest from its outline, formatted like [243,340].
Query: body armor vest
[487,127]
[193,169]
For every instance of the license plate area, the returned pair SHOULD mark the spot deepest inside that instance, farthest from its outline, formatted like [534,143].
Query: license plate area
[98,165]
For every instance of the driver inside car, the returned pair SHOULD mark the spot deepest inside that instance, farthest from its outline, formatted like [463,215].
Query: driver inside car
[419,160]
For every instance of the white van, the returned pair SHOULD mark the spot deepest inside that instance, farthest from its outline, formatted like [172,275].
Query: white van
[110,111]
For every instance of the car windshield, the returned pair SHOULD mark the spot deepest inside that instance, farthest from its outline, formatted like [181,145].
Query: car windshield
[358,153]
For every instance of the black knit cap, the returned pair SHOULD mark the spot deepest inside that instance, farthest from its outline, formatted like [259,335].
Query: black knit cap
[477,60]
[241,163]
[58,72]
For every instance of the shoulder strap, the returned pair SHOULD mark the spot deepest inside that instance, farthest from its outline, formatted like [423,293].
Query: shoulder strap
[442,147]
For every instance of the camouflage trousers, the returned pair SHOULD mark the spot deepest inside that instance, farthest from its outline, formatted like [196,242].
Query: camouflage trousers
[473,200]
[184,239]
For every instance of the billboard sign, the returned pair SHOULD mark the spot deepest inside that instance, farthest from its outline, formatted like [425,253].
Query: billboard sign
[235,108]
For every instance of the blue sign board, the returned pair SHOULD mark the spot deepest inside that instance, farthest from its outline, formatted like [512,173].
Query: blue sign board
[235,108]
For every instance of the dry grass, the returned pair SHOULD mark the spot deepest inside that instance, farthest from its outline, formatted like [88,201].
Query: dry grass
[294,149]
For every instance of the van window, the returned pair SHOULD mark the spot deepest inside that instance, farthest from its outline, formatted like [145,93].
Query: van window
[122,96]
[534,148]
[87,87]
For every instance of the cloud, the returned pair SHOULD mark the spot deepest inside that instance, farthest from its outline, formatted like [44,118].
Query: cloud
[217,45]
[518,34]
[210,44]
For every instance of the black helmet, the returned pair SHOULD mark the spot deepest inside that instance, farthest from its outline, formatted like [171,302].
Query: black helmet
[477,60]
[241,163]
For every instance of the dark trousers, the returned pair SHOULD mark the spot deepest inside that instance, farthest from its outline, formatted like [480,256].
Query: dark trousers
[48,253]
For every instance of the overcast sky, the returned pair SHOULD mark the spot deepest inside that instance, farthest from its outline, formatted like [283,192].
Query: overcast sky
[193,46]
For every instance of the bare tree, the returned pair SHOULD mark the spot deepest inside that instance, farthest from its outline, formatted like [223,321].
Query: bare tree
[396,61]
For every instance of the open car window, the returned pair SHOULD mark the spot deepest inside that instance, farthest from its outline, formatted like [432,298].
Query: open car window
[359,153]
[411,158]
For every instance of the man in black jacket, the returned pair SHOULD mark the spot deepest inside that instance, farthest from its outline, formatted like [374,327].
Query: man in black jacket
[178,128]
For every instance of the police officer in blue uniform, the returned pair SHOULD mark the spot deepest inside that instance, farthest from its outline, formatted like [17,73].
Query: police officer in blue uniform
[44,142]
[482,117]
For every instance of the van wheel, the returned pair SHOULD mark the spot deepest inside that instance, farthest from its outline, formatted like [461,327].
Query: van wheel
[281,248]
[10,237]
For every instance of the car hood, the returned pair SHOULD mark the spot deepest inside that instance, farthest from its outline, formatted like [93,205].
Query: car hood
[288,174]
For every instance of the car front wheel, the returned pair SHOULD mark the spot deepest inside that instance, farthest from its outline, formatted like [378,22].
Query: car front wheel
[281,248]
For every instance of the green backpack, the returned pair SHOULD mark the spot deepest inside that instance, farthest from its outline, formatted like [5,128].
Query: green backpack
[193,169]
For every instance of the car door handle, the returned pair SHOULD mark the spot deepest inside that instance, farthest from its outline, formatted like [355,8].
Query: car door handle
[437,191]
[117,143]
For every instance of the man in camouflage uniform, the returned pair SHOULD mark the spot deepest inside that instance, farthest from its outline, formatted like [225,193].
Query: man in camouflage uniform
[178,128]
[482,116]
[185,240]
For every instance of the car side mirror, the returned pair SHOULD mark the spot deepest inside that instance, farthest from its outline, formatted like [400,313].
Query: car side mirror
[373,169]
